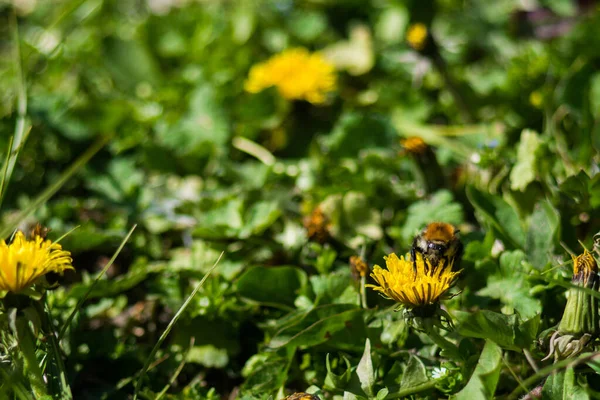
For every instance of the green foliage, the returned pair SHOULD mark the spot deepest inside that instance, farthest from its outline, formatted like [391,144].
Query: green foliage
[116,115]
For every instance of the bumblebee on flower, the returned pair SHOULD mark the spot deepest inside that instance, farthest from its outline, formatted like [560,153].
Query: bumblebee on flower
[417,290]
[419,282]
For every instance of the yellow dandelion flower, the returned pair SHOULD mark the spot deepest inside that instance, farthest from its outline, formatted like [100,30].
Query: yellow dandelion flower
[297,75]
[414,145]
[23,261]
[416,36]
[422,287]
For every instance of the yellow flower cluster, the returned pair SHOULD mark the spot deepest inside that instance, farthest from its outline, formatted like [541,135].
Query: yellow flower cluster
[416,36]
[414,288]
[23,261]
[297,75]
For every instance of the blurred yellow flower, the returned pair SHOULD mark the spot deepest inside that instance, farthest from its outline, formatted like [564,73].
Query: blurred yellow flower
[422,287]
[416,36]
[536,99]
[23,261]
[414,145]
[297,75]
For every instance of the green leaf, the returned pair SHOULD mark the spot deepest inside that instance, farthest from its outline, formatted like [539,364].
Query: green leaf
[265,373]
[484,380]
[499,216]
[543,233]
[319,325]
[365,370]
[203,129]
[485,324]
[414,374]
[271,285]
[335,381]
[348,137]
[524,171]
[563,385]
[130,63]
[259,217]
[511,286]
[209,356]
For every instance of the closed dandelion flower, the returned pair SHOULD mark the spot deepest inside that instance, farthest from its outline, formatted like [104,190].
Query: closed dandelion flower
[297,75]
[23,261]
[580,322]
[416,36]
[358,267]
[317,226]
[414,288]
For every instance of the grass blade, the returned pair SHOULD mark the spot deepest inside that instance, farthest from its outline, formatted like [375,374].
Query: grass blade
[21,130]
[63,330]
[170,326]
[8,227]
[177,371]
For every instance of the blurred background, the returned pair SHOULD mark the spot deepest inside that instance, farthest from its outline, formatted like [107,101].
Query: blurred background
[504,96]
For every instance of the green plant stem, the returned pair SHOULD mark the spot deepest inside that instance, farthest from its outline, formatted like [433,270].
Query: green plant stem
[414,389]
[27,347]
[363,292]
[450,348]
[542,373]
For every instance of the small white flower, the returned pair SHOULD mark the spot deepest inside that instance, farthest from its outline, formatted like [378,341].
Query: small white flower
[439,372]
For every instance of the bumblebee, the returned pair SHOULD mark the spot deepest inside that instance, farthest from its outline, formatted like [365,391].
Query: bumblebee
[437,241]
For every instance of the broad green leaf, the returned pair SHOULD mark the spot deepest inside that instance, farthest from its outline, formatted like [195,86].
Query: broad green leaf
[543,233]
[271,285]
[484,380]
[524,171]
[320,325]
[563,385]
[511,285]
[259,217]
[485,324]
[203,128]
[498,215]
[414,373]
[366,371]
[333,380]
[348,137]
[130,62]
[265,373]
[209,356]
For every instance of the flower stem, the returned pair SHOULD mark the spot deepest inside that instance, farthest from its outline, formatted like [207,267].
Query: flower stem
[363,292]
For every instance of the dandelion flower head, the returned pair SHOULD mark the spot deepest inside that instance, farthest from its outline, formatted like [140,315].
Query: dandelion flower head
[24,260]
[297,75]
[416,36]
[414,288]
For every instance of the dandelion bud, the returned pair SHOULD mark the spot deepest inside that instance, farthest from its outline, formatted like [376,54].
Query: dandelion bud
[358,267]
[581,311]
[579,324]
